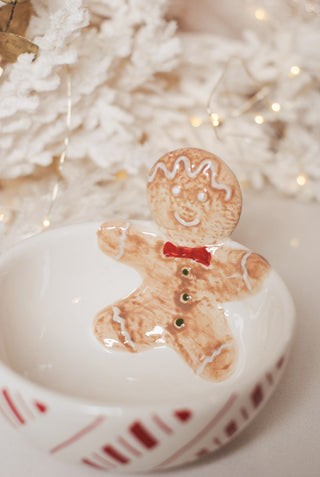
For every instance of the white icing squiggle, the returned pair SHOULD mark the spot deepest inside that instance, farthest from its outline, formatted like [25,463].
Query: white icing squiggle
[122,241]
[209,359]
[245,272]
[117,318]
[191,223]
[204,165]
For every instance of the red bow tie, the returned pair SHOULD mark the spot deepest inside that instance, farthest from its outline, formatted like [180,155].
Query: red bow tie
[198,254]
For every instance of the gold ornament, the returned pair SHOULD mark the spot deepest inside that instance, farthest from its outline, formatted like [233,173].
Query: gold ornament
[14,22]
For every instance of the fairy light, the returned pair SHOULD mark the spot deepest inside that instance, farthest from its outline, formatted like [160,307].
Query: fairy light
[46,221]
[215,119]
[6,215]
[121,175]
[195,121]
[259,119]
[294,71]
[260,14]
[301,180]
[294,242]
[275,107]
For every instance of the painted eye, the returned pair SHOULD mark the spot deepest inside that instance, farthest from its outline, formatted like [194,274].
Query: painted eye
[202,196]
[176,190]
[179,323]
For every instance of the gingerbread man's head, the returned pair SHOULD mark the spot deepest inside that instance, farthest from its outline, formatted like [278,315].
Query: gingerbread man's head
[194,197]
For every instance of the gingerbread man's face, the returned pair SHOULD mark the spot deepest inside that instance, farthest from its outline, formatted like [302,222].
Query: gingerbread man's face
[194,197]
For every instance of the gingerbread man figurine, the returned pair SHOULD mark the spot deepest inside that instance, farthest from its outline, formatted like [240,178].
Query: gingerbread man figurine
[188,270]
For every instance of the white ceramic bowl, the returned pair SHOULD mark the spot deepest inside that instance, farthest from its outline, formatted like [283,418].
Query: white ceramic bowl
[111,410]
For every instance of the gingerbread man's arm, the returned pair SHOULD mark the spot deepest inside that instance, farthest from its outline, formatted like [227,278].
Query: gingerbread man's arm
[239,273]
[127,243]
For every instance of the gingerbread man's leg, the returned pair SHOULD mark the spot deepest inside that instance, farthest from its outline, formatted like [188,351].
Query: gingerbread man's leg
[205,342]
[130,324]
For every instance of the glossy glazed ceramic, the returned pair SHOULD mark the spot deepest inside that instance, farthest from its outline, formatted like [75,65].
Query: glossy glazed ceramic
[196,202]
[119,411]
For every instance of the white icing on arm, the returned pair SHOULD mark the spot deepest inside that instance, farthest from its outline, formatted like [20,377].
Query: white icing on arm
[122,241]
[245,271]
[117,318]
[215,353]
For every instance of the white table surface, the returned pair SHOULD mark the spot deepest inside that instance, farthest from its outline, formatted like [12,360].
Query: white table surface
[283,441]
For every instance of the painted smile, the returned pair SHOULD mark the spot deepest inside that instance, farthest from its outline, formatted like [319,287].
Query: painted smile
[186,223]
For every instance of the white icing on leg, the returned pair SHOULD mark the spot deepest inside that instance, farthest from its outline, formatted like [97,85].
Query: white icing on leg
[191,223]
[122,241]
[117,318]
[245,272]
[204,165]
[209,359]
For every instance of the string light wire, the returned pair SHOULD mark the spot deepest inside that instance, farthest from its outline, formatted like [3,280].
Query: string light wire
[263,90]
[46,220]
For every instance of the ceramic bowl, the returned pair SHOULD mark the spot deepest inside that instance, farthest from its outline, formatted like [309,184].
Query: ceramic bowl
[116,411]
